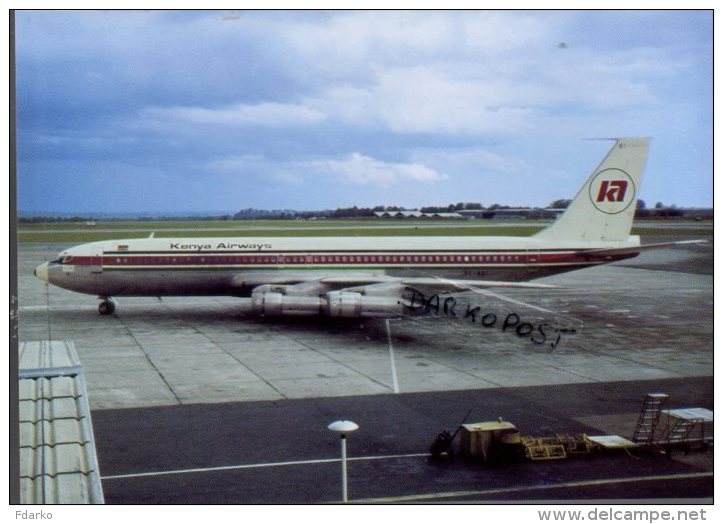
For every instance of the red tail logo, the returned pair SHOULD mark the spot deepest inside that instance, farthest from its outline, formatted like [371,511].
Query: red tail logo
[612,190]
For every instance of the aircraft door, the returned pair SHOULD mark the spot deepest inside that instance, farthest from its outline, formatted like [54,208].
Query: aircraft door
[96,263]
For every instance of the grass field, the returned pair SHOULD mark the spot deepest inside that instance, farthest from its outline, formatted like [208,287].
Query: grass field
[71,232]
[89,236]
[187,224]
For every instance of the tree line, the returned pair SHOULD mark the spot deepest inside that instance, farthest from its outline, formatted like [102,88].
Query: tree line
[659,210]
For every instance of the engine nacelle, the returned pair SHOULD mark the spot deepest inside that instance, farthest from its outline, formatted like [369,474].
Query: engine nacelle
[391,289]
[276,304]
[270,288]
[336,304]
[351,305]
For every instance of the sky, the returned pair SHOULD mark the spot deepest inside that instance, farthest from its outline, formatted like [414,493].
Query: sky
[215,111]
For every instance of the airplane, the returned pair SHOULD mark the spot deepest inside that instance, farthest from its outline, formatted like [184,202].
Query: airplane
[365,276]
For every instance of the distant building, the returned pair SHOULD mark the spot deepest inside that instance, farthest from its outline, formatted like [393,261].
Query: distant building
[665,212]
[444,215]
[416,214]
[510,213]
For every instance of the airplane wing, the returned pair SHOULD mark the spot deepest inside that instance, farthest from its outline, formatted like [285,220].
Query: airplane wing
[638,249]
[380,285]
[427,286]
[442,283]
[436,285]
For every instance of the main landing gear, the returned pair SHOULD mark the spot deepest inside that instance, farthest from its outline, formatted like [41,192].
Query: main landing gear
[107,307]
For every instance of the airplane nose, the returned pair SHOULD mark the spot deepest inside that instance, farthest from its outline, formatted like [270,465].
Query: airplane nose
[42,272]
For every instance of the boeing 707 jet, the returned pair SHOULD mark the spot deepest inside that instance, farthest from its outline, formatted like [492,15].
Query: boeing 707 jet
[364,276]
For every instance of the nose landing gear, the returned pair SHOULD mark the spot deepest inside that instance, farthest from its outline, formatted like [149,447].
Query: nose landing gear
[106,307]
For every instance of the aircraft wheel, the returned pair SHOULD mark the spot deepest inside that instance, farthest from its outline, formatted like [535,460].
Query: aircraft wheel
[107,307]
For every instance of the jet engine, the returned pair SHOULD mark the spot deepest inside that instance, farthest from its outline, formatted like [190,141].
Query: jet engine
[350,304]
[335,304]
[276,304]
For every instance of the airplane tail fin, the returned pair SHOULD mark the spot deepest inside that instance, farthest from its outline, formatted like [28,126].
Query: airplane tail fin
[603,210]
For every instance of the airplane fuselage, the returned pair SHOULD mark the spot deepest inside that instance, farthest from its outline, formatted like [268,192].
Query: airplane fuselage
[223,266]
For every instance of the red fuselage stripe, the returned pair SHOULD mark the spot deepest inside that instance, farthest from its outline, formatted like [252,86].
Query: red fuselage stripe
[402,259]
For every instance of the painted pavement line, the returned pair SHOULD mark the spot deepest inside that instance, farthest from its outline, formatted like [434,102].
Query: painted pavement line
[395,380]
[260,465]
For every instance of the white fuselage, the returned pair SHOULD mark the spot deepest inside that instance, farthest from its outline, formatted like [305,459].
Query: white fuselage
[234,266]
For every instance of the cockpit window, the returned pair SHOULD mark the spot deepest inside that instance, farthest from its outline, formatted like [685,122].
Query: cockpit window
[63,258]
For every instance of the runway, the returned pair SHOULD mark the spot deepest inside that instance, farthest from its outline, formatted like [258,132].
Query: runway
[189,383]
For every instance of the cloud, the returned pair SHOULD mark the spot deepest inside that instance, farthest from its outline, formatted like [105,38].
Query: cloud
[363,170]
[476,160]
[355,169]
[338,106]
[348,45]
[258,167]
[464,99]
[265,114]
[426,100]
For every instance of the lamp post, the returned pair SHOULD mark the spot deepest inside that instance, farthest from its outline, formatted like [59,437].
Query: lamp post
[343,427]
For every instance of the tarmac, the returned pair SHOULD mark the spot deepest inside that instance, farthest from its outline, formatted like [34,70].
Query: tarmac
[166,373]
[282,452]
